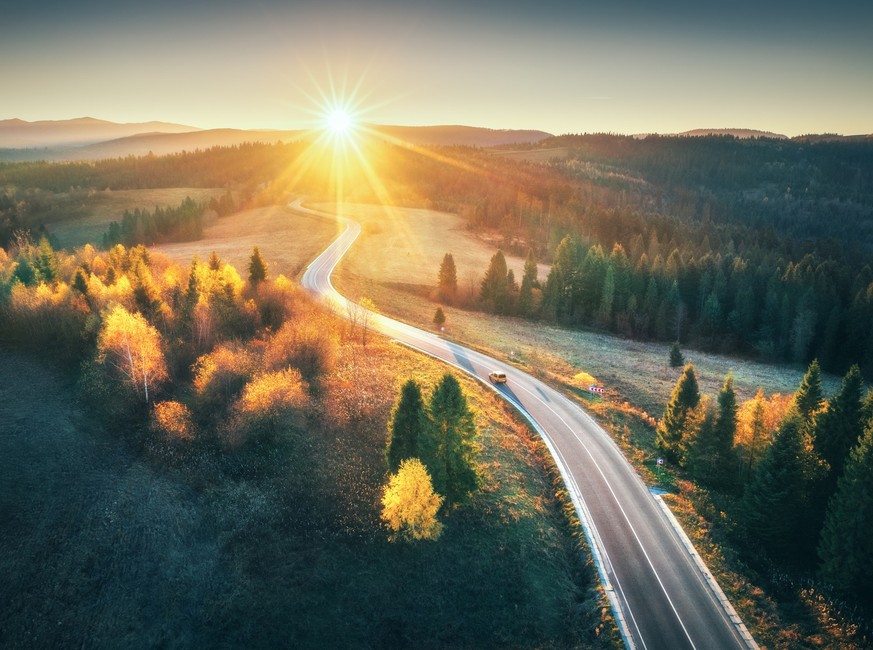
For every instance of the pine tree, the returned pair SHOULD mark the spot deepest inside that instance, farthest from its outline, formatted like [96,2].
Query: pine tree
[214,262]
[846,547]
[447,286]
[80,282]
[257,268]
[839,427]
[867,409]
[495,289]
[439,317]
[809,395]
[408,426]
[450,451]
[712,459]
[528,284]
[676,358]
[673,426]
[774,501]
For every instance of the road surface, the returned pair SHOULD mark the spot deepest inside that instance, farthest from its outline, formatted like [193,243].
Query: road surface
[661,594]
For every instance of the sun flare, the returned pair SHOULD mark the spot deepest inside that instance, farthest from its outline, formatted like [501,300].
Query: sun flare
[339,121]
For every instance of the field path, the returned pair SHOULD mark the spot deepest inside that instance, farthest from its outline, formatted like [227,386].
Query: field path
[661,594]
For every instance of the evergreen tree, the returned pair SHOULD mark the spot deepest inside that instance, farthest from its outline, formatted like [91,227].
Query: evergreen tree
[528,284]
[495,289]
[676,358]
[214,262]
[846,547]
[80,282]
[867,409]
[774,502]
[447,286]
[408,425]
[439,318]
[673,426]
[450,452]
[46,262]
[809,395]
[257,268]
[607,297]
[839,427]
[713,459]
[24,271]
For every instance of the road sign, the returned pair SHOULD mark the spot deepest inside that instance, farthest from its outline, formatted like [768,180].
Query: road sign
[596,389]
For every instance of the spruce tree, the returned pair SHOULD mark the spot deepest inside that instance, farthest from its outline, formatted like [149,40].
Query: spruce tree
[257,268]
[439,317]
[867,409]
[495,290]
[673,425]
[528,283]
[809,394]
[712,459]
[214,262]
[676,358]
[408,426]
[839,427]
[447,287]
[846,547]
[450,452]
[774,501]
[80,282]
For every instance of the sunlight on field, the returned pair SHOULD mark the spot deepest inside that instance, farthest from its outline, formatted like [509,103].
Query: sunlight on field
[287,241]
[109,205]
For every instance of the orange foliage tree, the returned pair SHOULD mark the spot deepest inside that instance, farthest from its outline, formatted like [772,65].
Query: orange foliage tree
[133,347]
[757,420]
[173,419]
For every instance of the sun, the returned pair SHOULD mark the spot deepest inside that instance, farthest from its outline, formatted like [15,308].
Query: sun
[339,121]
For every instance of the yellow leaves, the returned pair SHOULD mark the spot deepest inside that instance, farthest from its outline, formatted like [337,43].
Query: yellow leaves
[409,504]
[225,362]
[274,391]
[173,419]
[757,420]
[583,380]
[133,347]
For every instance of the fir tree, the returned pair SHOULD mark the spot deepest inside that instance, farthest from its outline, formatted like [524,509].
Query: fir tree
[439,318]
[214,262]
[714,461]
[846,547]
[257,268]
[528,284]
[407,428]
[673,426]
[495,288]
[809,395]
[450,452]
[447,286]
[80,282]
[676,358]
[775,500]
[839,427]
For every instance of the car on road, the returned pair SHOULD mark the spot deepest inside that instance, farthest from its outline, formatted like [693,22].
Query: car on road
[497,377]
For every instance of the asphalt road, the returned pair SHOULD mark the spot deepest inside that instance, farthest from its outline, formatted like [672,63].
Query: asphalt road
[661,594]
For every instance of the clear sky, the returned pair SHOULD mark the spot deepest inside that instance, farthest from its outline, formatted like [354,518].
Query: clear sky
[624,66]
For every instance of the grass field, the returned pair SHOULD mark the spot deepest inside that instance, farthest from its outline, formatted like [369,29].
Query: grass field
[287,241]
[102,208]
[400,284]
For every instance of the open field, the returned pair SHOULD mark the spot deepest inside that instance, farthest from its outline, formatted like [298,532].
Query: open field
[102,208]
[400,285]
[287,241]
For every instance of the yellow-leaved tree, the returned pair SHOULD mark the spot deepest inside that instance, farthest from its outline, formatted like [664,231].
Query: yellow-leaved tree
[173,419]
[409,504]
[133,347]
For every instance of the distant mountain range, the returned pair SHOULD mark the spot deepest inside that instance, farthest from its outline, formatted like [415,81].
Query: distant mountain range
[87,138]
[91,139]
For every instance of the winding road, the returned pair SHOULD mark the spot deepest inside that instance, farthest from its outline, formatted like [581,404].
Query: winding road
[661,593]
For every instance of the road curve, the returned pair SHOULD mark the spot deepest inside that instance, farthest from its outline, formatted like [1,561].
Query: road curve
[662,595]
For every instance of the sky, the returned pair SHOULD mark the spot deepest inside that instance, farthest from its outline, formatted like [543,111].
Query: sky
[622,66]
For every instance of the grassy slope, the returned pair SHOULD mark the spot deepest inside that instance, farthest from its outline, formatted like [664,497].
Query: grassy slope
[286,241]
[102,208]
[105,544]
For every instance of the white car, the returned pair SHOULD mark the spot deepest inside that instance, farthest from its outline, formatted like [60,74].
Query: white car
[497,377]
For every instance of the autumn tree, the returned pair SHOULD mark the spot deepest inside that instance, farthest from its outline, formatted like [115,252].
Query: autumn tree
[408,427]
[267,401]
[757,420]
[309,342]
[447,285]
[449,451]
[674,424]
[173,420]
[257,268]
[133,348]
[409,503]
[846,547]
